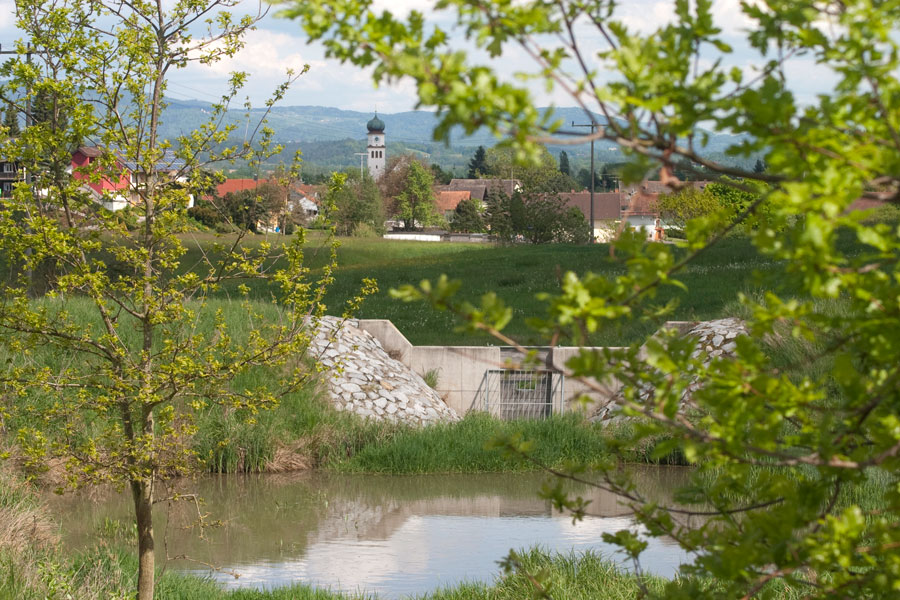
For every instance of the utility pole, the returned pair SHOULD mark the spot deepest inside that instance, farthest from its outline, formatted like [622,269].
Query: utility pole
[593,126]
[360,155]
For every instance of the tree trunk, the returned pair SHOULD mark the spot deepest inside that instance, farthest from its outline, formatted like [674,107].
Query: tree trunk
[142,492]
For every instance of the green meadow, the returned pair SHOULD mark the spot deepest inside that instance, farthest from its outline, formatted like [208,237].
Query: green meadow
[517,274]
[304,432]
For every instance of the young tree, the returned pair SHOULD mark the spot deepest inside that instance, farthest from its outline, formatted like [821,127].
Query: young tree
[441,176]
[564,163]
[606,182]
[467,217]
[572,227]
[108,370]
[542,176]
[736,196]
[257,210]
[357,203]
[45,108]
[477,166]
[584,180]
[11,121]
[415,205]
[780,449]
[684,205]
[536,217]
[392,183]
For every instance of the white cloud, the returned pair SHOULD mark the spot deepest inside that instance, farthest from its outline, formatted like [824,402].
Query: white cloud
[8,19]
[403,7]
[266,57]
[265,53]
[646,16]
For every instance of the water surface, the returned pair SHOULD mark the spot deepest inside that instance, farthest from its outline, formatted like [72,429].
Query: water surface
[395,536]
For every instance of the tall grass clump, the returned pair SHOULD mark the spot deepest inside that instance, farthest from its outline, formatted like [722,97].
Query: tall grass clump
[36,565]
[462,447]
[302,432]
[25,531]
[574,576]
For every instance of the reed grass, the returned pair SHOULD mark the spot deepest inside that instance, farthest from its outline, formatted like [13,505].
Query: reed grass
[462,447]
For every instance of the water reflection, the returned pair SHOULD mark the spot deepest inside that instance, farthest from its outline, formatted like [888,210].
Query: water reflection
[393,535]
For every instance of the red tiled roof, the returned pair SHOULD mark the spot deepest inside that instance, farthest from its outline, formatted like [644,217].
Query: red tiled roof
[310,191]
[479,187]
[606,204]
[640,204]
[237,185]
[90,151]
[450,199]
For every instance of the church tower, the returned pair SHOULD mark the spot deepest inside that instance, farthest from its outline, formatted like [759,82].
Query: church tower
[375,149]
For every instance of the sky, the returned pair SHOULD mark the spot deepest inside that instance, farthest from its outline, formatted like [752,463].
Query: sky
[279,44]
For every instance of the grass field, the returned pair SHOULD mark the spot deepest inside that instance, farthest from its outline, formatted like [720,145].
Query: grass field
[316,436]
[517,274]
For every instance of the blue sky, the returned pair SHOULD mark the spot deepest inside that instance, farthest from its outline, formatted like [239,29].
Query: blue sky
[279,44]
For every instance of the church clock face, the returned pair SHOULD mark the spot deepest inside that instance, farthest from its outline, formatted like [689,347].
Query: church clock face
[377,139]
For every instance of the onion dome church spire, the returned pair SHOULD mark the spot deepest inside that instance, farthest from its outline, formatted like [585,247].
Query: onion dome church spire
[375,158]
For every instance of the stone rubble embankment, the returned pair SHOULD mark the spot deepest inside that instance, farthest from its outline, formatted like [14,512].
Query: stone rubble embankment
[715,339]
[363,379]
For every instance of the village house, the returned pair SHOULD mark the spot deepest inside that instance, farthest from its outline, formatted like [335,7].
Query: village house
[115,192]
[302,200]
[639,202]
[9,175]
[607,211]
[448,200]
[479,188]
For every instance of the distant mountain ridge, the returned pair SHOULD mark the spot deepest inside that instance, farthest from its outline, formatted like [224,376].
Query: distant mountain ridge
[323,123]
[322,131]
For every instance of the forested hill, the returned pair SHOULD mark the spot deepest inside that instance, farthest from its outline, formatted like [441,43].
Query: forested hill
[330,137]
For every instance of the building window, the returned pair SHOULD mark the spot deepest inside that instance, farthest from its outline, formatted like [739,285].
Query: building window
[9,167]
[7,187]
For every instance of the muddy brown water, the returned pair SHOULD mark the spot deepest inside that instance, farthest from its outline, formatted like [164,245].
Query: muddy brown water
[393,536]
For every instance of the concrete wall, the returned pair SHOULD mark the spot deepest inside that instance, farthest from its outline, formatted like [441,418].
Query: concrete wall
[414,237]
[393,342]
[478,238]
[475,238]
[460,369]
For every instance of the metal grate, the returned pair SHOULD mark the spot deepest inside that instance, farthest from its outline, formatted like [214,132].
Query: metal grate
[522,394]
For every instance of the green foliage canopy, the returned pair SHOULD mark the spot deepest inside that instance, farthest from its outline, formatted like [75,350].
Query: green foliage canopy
[11,120]
[415,204]
[478,164]
[535,217]
[255,209]
[467,217]
[676,209]
[564,163]
[779,450]
[541,176]
[108,370]
[357,202]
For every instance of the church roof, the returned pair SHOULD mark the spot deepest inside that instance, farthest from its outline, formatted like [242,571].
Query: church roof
[375,124]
